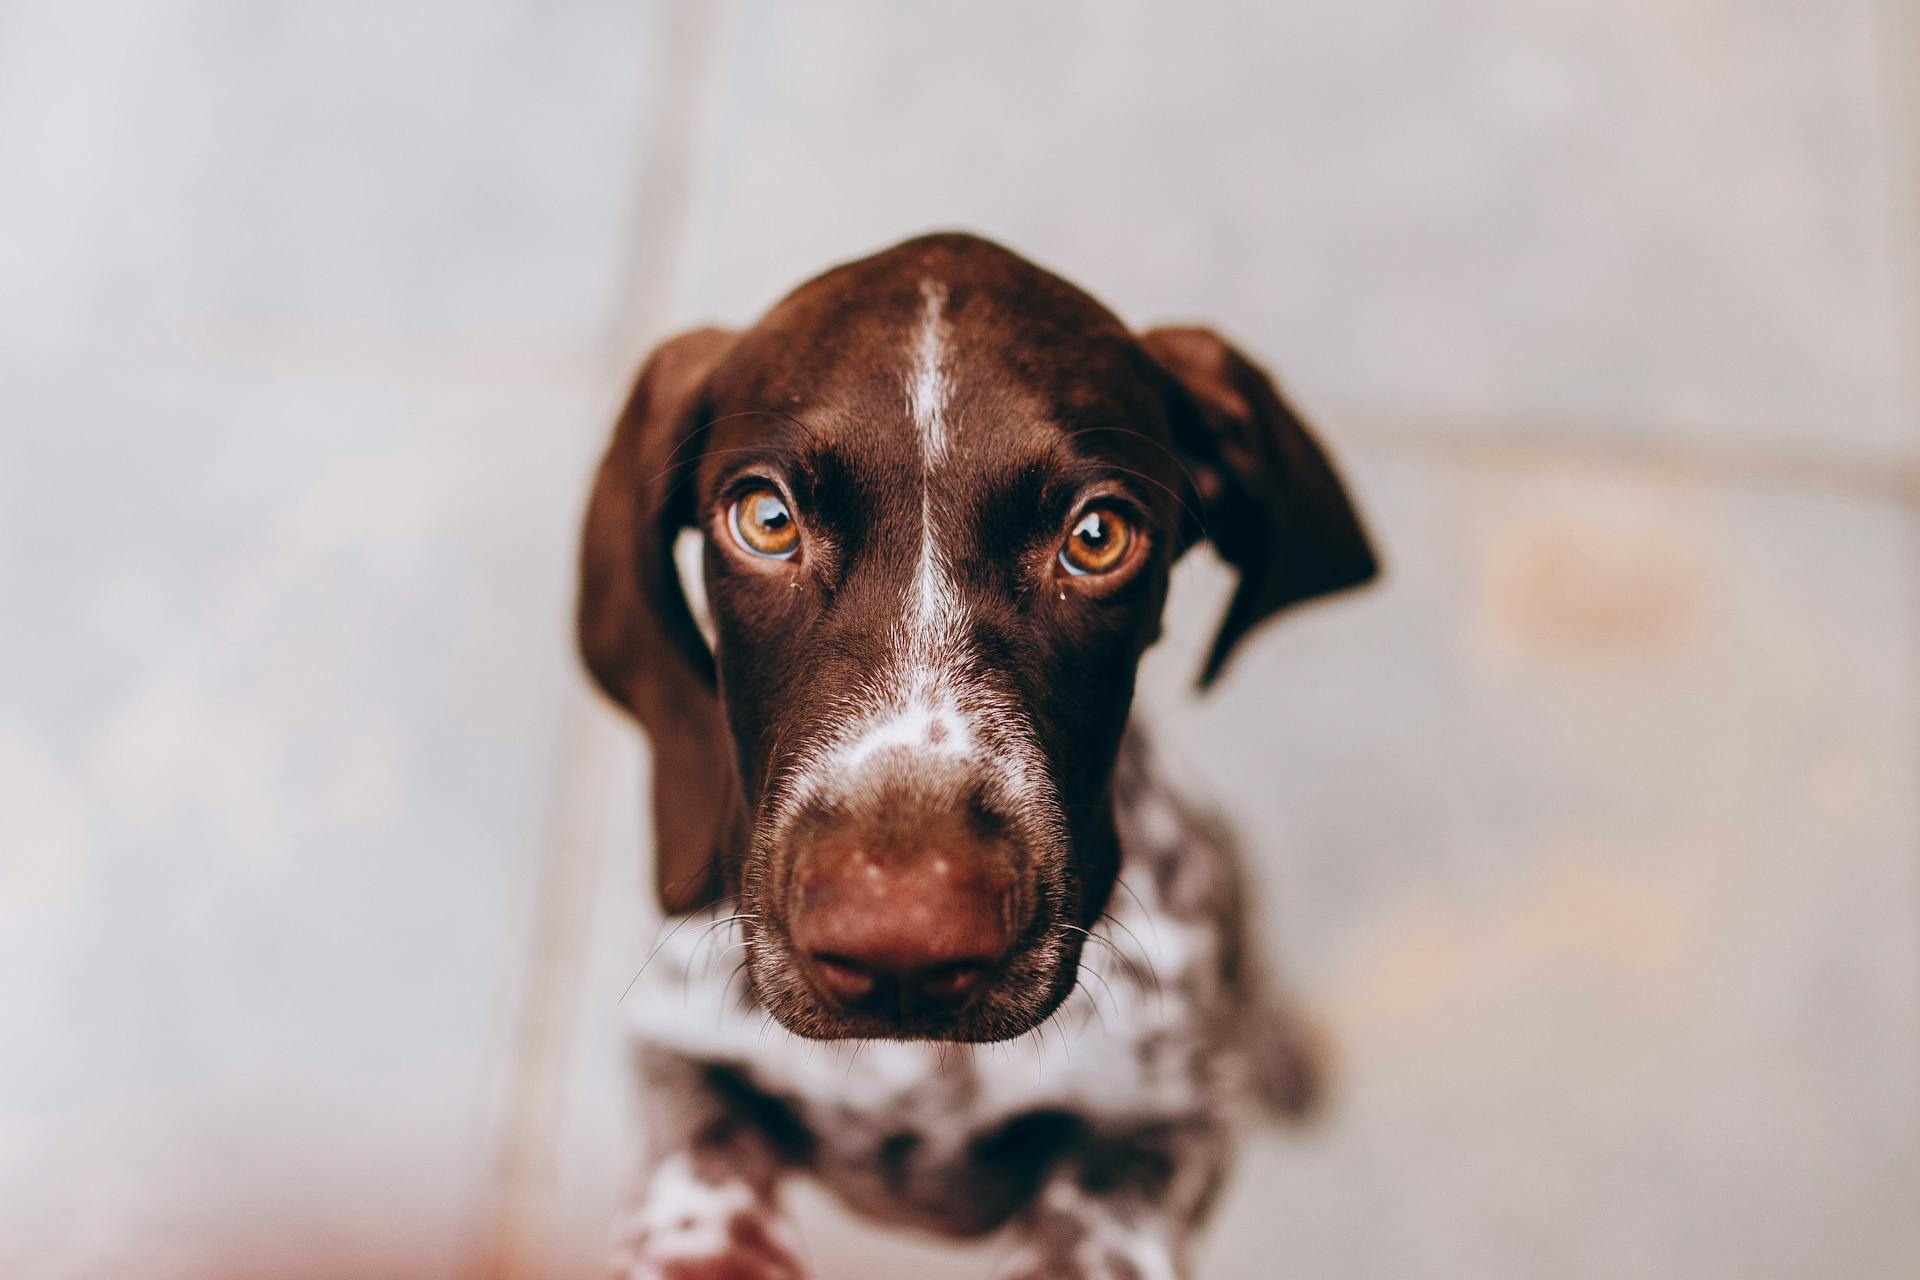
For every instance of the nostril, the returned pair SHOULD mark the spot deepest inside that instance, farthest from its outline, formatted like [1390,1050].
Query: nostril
[903,940]
[845,978]
[952,983]
[853,982]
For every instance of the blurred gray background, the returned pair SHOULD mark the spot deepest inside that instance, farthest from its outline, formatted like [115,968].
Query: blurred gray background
[1593,834]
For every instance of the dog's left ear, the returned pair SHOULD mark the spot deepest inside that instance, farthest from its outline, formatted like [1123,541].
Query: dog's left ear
[1266,495]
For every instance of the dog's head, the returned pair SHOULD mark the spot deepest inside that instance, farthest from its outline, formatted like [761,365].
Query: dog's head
[940,492]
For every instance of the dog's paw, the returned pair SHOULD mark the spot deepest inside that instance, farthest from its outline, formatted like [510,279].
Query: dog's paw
[692,1225]
[750,1251]
[1055,1271]
[725,1266]
[731,1264]
[1037,1264]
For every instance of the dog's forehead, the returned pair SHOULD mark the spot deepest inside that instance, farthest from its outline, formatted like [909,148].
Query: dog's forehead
[1012,359]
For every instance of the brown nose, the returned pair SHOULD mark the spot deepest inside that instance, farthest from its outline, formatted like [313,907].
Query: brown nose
[900,940]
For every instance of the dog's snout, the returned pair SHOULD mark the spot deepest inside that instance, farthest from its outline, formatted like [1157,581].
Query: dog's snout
[904,938]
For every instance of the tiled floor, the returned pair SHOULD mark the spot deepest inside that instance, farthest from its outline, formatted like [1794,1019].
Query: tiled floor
[1594,834]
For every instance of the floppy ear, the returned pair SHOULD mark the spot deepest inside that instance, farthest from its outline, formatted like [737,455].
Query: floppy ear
[636,633]
[1271,502]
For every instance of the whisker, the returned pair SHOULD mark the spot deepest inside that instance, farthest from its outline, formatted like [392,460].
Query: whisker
[684,922]
[1134,966]
[1086,967]
[738,969]
[1127,929]
[691,465]
[1148,916]
[1171,453]
[695,966]
[690,462]
[763,407]
[690,437]
[759,407]
[707,933]
[1066,1045]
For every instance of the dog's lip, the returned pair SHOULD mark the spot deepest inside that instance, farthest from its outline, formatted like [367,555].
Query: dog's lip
[981,1019]
[946,981]
[961,1027]
[915,1024]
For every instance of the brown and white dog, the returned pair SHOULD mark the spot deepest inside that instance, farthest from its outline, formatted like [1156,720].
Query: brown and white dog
[940,491]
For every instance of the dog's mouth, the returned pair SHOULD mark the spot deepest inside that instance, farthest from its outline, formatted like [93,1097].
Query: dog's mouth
[830,996]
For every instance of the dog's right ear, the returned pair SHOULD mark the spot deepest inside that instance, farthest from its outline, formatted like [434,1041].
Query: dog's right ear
[636,632]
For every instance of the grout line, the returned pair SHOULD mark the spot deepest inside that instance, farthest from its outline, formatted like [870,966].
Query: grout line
[519,1220]
[290,347]
[661,203]
[1900,38]
[380,351]
[1899,31]
[1674,457]
[1899,34]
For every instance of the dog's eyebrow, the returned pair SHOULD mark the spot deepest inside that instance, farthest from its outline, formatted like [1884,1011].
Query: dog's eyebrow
[788,445]
[1054,478]
[761,453]
[789,458]
[1074,474]
[1026,501]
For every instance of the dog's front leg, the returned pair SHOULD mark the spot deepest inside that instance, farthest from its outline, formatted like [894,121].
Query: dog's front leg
[706,1209]
[1122,1209]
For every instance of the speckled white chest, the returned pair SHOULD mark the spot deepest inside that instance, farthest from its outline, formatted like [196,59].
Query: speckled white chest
[1134,1041]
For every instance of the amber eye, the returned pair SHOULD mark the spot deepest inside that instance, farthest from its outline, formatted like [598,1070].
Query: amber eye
[1098,542]
[762,525]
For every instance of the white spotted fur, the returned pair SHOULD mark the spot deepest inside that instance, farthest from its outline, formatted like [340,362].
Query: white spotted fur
[680,1217]
[1144,1246]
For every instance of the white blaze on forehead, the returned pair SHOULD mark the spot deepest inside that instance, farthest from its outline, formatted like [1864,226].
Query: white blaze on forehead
[929,386]
[936,606]
[923,709]
[926,698]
